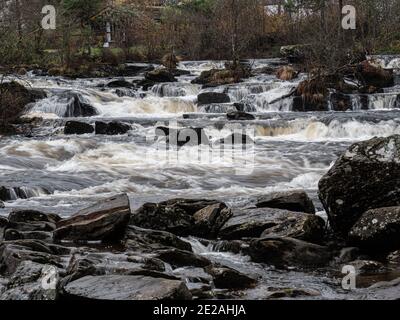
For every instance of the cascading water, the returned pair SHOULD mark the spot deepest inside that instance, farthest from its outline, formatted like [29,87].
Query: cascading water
[54,172]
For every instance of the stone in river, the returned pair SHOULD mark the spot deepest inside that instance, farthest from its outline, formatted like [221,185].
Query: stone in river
[111,128]
[77,127]
[296,200]
[106,220]
[366,176]
[228,278]
[116,287]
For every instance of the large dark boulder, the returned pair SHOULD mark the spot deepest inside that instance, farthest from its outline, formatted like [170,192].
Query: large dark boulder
[377,230]
[77,105]
[366,176]
[111,128]
[296,200]
[77,127]
[375,76]
[254,223]
[146,240]
[239,116]
[180,258]
[183,136]
[288,252]
[183,217]
[212,97]
[118,287]
[106,221]
[160,75]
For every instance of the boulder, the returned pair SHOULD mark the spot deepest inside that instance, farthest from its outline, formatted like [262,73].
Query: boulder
[27,283]
[111,128]
[13,253]
[377,230]
[106,221]
[288,252]
[12,234]
[393,258]
[375,76]
[118,287]
[367,267]
[286,73]
[294,53]
[253,223]
[27,216]
[76,127]
[160,75]
[122,83]
[183,137]
[341,102]
[78,106]
[239,116]
[212,97]
[296,200]
[138,239]
[366,176]
[182,217]
[180,258]
[228,278]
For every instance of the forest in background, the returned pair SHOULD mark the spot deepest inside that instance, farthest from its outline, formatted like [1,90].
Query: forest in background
[193,29]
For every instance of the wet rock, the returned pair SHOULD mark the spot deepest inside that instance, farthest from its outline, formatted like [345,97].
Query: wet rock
[234,246]
[375,76]
[3,226]
[180,258]
[27,216]
[111,128]
[13,253]
[286,73]
[183,137]
[212,97]
[365,267]
[2,205]
[285,293]
[239,116]
[394,258]
[116,287]
[120,84]
[253,223]
[12,234]
[181,216]
[76,127]
[160,75]
[294,53]
[366,176]
[209,220]
[98,263]
[78,106]
[149,240]
[288,252]
[237,138]
[296,200]
[106,221]
[134,69]
[27,283]
[228,278]
[377,230]
[341,102]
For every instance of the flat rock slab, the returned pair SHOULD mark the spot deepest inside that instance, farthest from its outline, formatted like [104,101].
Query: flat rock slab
[105,220]
[296,200]
[115,287]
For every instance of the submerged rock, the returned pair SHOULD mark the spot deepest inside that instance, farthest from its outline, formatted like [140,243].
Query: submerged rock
[239,115]
[212,97]
[117,287]
[111,128]
[377,230]
[288,252]
[366,176]
[77,127]
[182,217]
[297,201]
[104,221]
[253,223]
[183,136]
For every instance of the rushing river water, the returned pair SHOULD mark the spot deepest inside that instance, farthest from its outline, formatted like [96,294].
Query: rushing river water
[292,150]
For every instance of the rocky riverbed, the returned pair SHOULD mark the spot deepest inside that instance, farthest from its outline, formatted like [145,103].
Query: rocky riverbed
[104,196]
